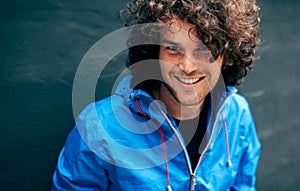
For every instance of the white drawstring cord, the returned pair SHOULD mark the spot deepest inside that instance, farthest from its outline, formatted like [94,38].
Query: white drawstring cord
[169,188]
[229,163]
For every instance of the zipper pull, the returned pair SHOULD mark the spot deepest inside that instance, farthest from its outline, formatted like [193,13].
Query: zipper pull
[193,182]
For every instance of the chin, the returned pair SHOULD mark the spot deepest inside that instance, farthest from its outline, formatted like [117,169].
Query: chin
[189,102]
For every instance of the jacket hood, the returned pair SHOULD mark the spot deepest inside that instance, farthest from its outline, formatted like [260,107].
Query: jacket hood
[218,96]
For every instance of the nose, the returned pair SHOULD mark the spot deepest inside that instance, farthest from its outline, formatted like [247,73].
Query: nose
[187,65]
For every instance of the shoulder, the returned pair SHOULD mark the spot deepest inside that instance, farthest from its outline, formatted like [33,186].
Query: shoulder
[240,119]
[102,109]
[237,101]
[96,123]
[239,113]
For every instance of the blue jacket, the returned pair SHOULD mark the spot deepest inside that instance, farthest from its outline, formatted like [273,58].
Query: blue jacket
[128,142]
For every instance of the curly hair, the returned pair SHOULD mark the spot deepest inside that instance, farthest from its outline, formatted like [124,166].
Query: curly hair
[230,26]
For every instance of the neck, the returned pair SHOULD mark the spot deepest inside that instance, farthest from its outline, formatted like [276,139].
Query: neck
[174,107]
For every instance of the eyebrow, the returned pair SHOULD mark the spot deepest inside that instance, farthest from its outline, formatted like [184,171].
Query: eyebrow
[170,42]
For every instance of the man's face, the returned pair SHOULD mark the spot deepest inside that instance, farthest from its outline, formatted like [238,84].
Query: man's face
[188,67]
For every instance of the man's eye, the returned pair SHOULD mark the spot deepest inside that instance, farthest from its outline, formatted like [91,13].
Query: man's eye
[174,49]
[205,56]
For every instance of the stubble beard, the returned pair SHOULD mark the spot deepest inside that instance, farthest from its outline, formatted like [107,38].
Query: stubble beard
[180,99]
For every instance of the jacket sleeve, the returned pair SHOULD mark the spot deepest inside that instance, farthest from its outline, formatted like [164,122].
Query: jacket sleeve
[246,175]
[78,168]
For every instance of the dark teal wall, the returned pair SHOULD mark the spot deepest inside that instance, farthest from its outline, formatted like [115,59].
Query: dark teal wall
[42,43]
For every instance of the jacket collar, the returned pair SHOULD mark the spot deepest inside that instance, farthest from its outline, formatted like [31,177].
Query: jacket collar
[218,95]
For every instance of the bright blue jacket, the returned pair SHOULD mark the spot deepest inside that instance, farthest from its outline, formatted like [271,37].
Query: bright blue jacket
[128,142]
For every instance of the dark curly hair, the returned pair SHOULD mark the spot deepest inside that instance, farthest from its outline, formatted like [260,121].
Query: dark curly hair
[228,27]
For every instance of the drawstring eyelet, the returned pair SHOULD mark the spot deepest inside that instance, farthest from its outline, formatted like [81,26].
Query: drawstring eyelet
[169,188]
[229,163]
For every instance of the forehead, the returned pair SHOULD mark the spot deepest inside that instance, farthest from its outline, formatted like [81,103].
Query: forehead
[177,29]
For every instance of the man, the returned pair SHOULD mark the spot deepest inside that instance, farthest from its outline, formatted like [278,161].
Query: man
[180,124]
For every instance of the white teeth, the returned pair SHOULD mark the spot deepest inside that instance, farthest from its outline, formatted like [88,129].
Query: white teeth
[188,80]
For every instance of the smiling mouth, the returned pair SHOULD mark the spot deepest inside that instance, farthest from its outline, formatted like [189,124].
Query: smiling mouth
[189,81]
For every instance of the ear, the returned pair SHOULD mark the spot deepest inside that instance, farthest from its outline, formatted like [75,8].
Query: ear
[220,60]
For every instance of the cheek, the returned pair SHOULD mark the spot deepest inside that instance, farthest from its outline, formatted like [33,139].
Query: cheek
[215,68]
[171,59]
[165,68]
[166,62]
[213,72]
[162,54]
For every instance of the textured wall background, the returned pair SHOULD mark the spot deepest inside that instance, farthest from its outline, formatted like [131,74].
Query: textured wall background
[42,43]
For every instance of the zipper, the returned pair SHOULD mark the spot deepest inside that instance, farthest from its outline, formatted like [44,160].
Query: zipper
[192,174]
[213,129]
[193,181]
[179,140]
